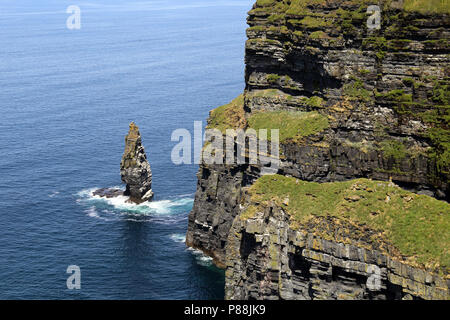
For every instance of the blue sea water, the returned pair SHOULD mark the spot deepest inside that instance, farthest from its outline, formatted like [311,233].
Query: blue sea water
[66,99]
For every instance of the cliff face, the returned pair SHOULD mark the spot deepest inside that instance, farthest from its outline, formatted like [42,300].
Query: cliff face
[374,104]
[359,239]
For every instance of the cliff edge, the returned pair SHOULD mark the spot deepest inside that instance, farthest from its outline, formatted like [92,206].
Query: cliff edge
[351,103]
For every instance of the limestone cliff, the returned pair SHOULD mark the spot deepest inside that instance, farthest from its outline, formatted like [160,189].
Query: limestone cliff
[354,103]
[135,169]
[359,239]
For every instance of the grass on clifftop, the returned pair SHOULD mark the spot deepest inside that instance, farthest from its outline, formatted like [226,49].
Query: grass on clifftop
[292,125]
[229,116]
[299,7]
[427,6]
[417,225]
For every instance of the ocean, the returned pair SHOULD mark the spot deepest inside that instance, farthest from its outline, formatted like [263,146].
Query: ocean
[67,97]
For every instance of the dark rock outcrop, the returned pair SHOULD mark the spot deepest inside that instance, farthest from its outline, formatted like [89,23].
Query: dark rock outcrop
[108,193]
[135,169]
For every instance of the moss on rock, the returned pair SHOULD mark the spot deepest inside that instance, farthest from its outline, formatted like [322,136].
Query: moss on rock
[229,116]
[416,225]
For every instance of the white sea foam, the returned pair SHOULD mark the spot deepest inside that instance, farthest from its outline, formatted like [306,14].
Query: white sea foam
[91,212]
[162,211]
[155,207]
[201,258]
[86,193]
[53,194]
[204,261]
[178,237]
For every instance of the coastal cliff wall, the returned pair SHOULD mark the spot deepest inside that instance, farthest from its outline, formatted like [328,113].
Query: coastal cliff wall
[350,103]
[302,240]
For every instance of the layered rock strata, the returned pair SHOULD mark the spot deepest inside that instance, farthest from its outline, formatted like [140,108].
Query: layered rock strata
[286,247]
[380,99]
[135,169]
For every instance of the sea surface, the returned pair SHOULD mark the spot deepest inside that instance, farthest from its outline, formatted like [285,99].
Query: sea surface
[66,100]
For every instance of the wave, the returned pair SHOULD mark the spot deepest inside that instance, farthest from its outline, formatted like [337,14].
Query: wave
[93,213]
[178,237]
[162,211]
[201,258]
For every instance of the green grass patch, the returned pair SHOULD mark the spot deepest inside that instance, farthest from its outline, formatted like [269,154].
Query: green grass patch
[260,41]
[400,100]
[356,14]
[318,35]
[440,137]
[229,116]
[298,33]
[314,101]
[292,125]
[258,28]
[416,225]
[356,90]
[269,93]
[436,116]
[427,6]
[312,22]
[265,3]
[393,149]
[273,78]
[276,18]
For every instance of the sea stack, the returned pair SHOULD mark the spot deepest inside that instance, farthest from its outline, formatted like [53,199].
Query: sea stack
[135,169]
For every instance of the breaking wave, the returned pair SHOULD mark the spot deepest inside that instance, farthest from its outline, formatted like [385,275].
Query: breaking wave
[201,258]
[178,237]
[162,211]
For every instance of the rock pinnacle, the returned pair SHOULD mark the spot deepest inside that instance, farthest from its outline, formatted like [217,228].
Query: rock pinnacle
[135,169]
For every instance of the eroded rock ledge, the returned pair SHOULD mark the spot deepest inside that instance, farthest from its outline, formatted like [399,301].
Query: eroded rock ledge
[268,260]
[283,249]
